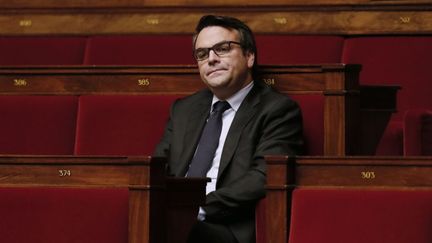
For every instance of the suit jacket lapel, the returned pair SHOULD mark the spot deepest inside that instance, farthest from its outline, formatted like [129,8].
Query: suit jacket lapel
[243,116]
[196,121]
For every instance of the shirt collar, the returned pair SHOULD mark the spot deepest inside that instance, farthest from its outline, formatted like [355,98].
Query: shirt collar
[236,99]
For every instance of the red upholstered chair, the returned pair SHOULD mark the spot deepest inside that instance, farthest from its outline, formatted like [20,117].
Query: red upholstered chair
[49,215]
[358,216]
[121,125]
[139,50]
[299,49]
[396,60]
[37,124]
[40,50]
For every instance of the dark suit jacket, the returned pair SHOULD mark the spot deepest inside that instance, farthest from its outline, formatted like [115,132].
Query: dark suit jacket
[267,123]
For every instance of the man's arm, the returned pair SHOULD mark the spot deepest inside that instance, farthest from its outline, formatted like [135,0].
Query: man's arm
[279,133]
[163,147]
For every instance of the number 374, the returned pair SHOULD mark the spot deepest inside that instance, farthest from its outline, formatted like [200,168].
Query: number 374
[63,173]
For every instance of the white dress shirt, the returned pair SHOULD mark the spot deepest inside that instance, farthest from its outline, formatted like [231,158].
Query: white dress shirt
[227,118]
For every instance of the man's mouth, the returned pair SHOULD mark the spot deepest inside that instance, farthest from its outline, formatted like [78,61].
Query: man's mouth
[214,71]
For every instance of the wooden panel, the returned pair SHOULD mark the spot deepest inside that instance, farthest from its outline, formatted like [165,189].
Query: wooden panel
[192,3]
[156,3]
[364,172]
[87,80]
[67,175]
[335,132]
[334,20]
[342,22]
[74,171]
[180,193]
[280,181]
[161,79]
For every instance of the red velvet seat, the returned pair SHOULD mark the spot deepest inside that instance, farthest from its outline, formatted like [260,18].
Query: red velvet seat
[121,125]
[139,50]
[37,124]
[312,107]
[395,60]
[49,215]
[42,50]
[299,49]
[358,216]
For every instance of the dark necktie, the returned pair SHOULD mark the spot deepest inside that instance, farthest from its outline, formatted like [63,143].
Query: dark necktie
[209,141]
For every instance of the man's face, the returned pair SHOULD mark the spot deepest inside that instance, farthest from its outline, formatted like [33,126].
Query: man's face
[227,73]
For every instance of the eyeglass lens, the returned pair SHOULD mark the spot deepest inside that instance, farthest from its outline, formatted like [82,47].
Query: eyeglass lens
[219,48]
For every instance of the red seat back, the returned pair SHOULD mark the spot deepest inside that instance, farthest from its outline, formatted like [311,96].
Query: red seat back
[139,50]
[48,215]
[312,107]
[120,124]
[358,216]
[299,49]
[42,50]
[37,124]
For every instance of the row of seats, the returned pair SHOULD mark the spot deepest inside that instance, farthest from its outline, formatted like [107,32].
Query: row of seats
[108,124]
[97,50]
[393,60]
[117,125]
[82,125]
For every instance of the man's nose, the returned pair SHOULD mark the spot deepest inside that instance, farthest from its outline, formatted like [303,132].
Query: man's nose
[213,57]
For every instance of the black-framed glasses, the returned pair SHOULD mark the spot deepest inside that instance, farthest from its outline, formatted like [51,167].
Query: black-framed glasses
[219,49]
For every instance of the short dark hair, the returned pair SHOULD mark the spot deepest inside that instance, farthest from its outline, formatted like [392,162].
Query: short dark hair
[247,39]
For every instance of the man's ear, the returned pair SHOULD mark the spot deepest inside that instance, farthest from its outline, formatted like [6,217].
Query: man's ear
[250,59]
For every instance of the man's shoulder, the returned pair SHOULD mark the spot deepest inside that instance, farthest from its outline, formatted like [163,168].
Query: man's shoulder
[195,98]
[271,97]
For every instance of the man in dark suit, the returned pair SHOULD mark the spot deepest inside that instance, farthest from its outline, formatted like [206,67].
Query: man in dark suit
[257,121]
